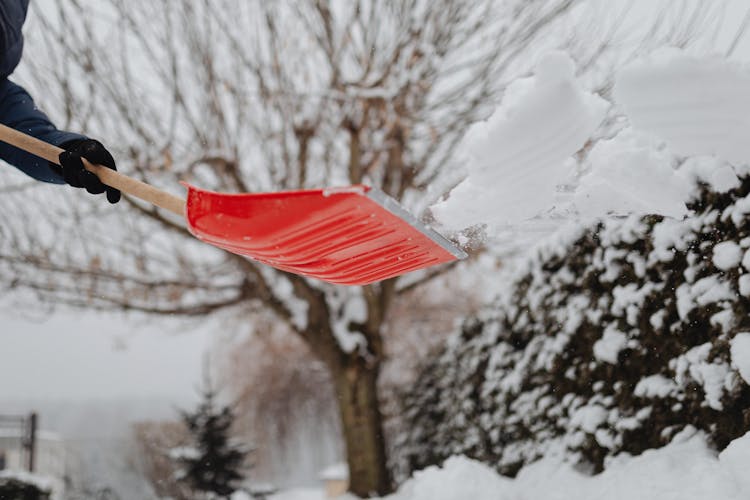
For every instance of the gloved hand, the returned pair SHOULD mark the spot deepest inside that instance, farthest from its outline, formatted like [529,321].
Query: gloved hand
[72,167]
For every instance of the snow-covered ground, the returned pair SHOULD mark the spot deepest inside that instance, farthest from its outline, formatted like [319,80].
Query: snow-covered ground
[686,469]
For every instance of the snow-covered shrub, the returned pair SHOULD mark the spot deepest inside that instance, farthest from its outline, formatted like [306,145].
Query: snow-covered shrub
[608,340]
[19,485]
[214,464]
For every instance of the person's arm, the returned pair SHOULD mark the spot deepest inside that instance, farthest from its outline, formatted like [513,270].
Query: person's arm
[17,110]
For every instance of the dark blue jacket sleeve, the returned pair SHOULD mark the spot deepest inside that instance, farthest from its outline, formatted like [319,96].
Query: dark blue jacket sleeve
[17,110]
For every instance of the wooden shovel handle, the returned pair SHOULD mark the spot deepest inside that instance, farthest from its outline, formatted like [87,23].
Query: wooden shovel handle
[108,176]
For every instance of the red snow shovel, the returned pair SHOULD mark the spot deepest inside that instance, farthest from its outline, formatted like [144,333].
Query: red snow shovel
[349,236]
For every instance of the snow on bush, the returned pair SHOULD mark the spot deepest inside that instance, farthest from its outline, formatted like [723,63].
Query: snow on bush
[17,484]
[607,340]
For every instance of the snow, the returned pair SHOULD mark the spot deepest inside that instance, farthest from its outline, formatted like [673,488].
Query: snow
[657,319]
[744,285]
[727,255]
[301,494]
[701,293]
[240,495]
[655,386]
[698,105]
[184,453]
[741,355]
[713,377]
[519,155]
[669,235]
[738,212]
[609,346]
[630,298]
[723,178]
[627,176]
[736,458]
[335,472]
[459,477]
[688,118]
[725,319]
[685,469]
[283,289]
[589,418]
[351,307]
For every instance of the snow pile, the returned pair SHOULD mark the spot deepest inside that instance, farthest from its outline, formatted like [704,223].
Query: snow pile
[459,477]
[604,341]
[608,347]
[699,107]
[335,472]
[519,154]
[685,469]
[626,175]
[304,494]
[689,121]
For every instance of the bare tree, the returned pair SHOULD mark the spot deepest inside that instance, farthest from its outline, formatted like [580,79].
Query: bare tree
[251,96]
[285,396]
[287,404]
[153,442]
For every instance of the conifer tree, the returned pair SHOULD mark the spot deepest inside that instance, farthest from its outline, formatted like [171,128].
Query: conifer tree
[214,464]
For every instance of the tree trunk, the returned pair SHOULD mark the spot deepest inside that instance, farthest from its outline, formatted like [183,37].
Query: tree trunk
[362,423]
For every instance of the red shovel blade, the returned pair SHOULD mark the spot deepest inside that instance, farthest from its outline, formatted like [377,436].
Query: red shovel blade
[349,236]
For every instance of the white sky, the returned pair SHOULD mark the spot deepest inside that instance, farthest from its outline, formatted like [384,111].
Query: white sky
[75,357]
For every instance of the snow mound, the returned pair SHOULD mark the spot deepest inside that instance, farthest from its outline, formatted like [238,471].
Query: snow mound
[522,168]
[458,478]
[686,469]
[519,154]
[627,175]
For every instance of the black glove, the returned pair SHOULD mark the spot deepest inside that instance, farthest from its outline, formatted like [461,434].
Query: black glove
[72,167]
